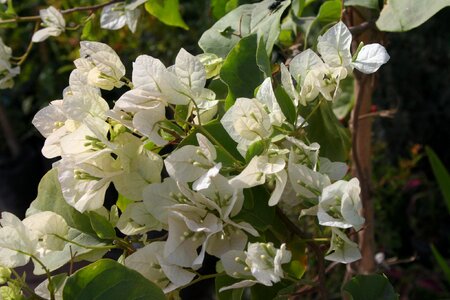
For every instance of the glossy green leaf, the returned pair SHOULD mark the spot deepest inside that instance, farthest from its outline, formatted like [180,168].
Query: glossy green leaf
[220,8]
[297,266]
[286,104]
[261,215]
[260,291]
[223,281]
[50,198]
[403,15]
[330,11]
[123,202]
[167,11]
[372,4]
[107,279]
[325,129]
[240,70]
[102,226]
[370,287]
[442,263]
[441,174]
[241,22]
[262,59]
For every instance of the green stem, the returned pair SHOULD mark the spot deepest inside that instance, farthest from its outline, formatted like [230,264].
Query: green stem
[25,286]
[311,113]
[86,246]
[201,278]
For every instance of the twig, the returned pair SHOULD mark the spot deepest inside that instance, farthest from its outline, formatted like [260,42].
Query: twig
[360,28]
[389,113]
[64,12]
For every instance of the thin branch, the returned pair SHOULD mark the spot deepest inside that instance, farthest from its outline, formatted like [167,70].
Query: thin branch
[19,19]
[360,28]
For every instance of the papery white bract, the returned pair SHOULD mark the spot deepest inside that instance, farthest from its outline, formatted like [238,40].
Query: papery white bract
[342,249]
[54,24]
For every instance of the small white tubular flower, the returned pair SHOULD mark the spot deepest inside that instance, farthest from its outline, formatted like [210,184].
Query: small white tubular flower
[306,182]
[189,227]
[46,227]
[137,220]
[261,263]
[246,122]
[17,243]
[370,58]
[101,64]
[334,46]
[342,249]
[301,153]
[150,262]
[267,97]
[54,24]
[189,163]
[340,205]
[303,63]
[6,72]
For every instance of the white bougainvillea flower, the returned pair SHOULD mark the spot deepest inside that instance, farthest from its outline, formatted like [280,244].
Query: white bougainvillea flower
[47,227]
[84,181]
[306,182]
[288,85]
[246,122]
[340,205]
[261,263]
[101,65]
[6,71]
[189,163]
[334,47]
[267,97]
[136,219]
[334,169]
[117,15]
[17,242]
[342,249]
[189,227]
[54,24]
[50,118]
[150,262]
[304,154]
[139,166]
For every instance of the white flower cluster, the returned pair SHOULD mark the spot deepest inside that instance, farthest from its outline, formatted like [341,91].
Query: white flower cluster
[199,198]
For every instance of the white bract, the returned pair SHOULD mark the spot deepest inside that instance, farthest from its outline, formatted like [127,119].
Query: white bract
[340,205]
[342,249]
[54,24]
[117,15]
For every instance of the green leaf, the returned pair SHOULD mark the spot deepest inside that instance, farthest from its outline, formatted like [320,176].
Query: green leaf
[442,263]
[167,11]
[256,148]
[260,291]
[441,174]
[50,198]
[181,114]
[223,281]
[261,215]
[221,7]
[102,226]
[403,15]
[262,59]
[325,129]
[330,11]
[123,202]
[107,279]
[297,266]
[286,104]
[346,100]
[240,70]
[372,4]
[370,287]
[241,22]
